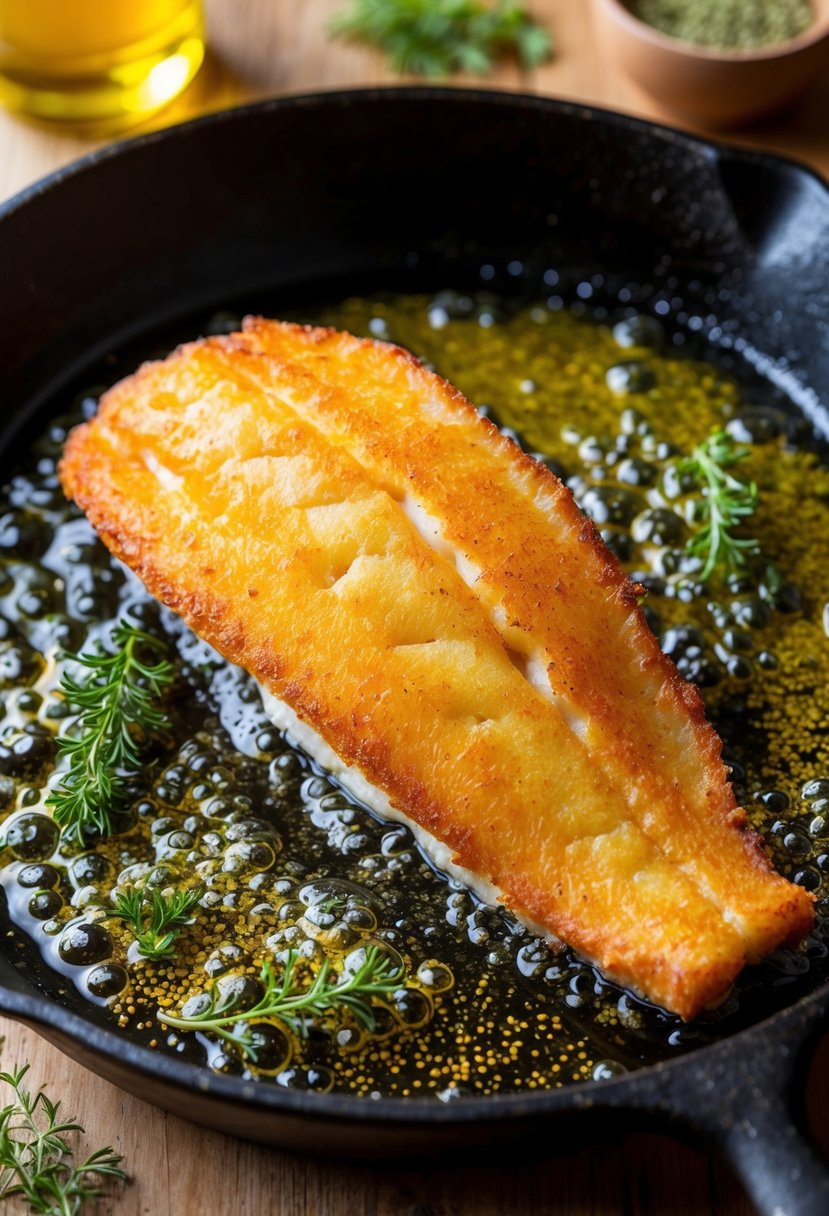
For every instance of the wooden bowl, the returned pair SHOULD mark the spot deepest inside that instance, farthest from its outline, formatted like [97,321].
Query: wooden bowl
[710,87]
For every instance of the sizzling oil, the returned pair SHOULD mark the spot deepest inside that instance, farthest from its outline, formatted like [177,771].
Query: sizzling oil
[285,859]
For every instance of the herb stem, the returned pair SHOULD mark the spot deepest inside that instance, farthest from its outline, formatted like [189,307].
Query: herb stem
[116,716]
[284,1000]
[726,503]
[155,918]
[36,1161]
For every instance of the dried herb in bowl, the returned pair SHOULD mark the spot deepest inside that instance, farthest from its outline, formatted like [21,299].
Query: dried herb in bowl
[739,25]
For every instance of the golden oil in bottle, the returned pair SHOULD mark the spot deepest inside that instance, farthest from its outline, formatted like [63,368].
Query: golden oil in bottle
[97,65]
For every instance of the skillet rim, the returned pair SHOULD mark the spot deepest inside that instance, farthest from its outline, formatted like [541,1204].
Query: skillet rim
[519,99]
[37,1009]
[641,1088]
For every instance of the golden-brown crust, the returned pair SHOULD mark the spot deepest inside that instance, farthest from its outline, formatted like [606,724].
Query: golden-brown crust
[257,484]
[582,661]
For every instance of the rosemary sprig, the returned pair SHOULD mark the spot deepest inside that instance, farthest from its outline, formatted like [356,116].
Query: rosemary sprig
[725,503]
[156,919]
[438,37]
[284,1000]
[116,715]
[36,1160]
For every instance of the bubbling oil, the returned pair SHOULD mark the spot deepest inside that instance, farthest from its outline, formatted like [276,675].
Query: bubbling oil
[286,860]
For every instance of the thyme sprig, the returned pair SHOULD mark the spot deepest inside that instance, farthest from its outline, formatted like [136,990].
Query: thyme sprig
[116,715]
[726,502]
[438,37]
[155,918]
[285,1000]
[37,1162]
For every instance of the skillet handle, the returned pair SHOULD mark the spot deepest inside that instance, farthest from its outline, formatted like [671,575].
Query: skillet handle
[745,1099]
[767,1140]
[778,1164]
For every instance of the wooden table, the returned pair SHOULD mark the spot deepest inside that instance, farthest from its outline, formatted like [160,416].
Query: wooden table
[261,47]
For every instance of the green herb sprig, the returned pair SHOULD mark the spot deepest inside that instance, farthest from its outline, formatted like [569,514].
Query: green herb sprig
[36,1161]
[156,919]
[438,37]
[117,714]
[286,1001]
[725,504]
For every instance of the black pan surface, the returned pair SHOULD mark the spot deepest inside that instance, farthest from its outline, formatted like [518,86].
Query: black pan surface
[310,197]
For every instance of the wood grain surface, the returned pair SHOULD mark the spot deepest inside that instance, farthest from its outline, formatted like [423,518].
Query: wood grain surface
[260,48]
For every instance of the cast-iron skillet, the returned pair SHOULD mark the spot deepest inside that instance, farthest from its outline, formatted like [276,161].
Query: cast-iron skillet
[408,188]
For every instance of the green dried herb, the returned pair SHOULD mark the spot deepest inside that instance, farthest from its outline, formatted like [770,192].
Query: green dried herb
[728,24]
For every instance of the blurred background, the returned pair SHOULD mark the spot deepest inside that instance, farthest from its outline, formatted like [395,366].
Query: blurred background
[588,50]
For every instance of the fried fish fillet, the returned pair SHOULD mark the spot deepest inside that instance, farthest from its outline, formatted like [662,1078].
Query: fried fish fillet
[428,610]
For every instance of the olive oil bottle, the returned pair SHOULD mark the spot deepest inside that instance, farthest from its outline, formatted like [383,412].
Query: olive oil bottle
[97,65]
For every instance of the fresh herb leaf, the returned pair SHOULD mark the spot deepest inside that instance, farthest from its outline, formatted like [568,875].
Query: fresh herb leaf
[726,502]
[156,919]
[36,1160]
[285,1000]
[116,716]
[438,37]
